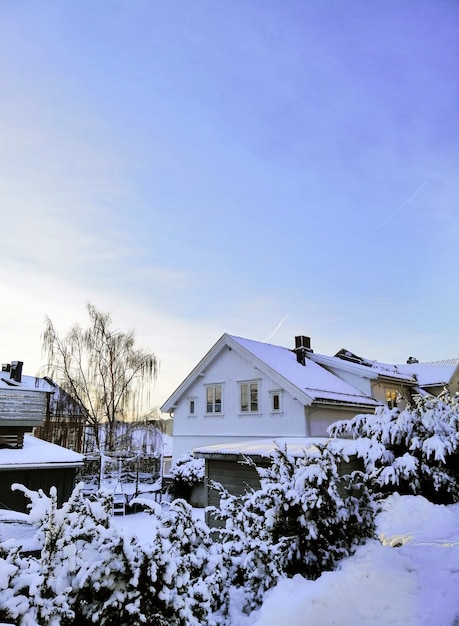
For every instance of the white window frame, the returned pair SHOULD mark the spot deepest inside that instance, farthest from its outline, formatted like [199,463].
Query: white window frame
[248,385]
[272,394]
[392,397]
[216,406]
[192,403]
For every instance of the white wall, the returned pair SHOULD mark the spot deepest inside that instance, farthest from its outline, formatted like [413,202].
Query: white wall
[228,369]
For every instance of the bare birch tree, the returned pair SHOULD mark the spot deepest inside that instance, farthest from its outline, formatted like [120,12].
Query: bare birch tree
[102,369]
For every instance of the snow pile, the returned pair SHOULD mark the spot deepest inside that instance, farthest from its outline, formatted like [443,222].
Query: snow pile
[409,577]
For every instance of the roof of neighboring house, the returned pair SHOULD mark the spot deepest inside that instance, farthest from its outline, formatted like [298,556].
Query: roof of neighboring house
[432,374]
[27,383]
[37,453]
[310,383]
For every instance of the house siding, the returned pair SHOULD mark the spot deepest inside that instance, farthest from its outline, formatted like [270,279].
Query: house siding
[229,369]
[22,408]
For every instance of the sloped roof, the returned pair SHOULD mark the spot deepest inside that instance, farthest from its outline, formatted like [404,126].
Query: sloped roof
[309,383]
[314,380]
[432,374]
[28,383]
[364,367]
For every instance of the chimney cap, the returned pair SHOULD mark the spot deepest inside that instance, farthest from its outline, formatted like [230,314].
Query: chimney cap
[302,341]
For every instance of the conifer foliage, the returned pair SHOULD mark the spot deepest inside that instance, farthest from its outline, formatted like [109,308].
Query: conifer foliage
[304,518]
[414,451]
[90,573]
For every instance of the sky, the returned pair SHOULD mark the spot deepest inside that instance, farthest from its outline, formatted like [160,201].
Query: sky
[256,167]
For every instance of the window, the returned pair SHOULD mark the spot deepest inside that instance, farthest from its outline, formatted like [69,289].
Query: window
[275,397]
[214,399]
[249,397]
[191,406]
[391,398]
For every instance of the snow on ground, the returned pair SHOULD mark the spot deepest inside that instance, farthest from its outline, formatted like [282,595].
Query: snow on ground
[408,576]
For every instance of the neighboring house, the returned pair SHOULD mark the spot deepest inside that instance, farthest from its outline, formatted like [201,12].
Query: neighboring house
[65,419]
[26,459]
[246,390]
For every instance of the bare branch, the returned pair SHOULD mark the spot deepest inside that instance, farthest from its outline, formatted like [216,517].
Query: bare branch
[101,369]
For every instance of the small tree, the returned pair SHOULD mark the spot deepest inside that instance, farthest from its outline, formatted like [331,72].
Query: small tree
[102,369]
[304,518]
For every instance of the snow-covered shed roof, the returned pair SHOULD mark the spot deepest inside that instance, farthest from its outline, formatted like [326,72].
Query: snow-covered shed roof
[310,383]
[264,448]
[39,454]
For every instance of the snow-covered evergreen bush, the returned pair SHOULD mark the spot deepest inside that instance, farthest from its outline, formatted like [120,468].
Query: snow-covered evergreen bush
[414,451]
[304,518]
[91,573]
[186,473]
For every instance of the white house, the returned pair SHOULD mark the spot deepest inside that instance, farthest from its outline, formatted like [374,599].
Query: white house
[246,390]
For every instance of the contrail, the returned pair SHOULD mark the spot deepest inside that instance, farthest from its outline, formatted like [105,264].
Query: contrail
[402,205]
[277,328]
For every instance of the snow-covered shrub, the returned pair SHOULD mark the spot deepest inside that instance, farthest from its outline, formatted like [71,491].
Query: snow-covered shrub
[15,575]
[91,573]
[414,451]
[304,518]
[186,473]
[195,573]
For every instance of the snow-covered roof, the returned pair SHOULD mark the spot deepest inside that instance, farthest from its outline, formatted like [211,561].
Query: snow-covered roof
[37,453]
[414,374]
[364,367]
[296,447]
[319,381]
[310,383]
[314,380]
[28,383]
[432,374]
